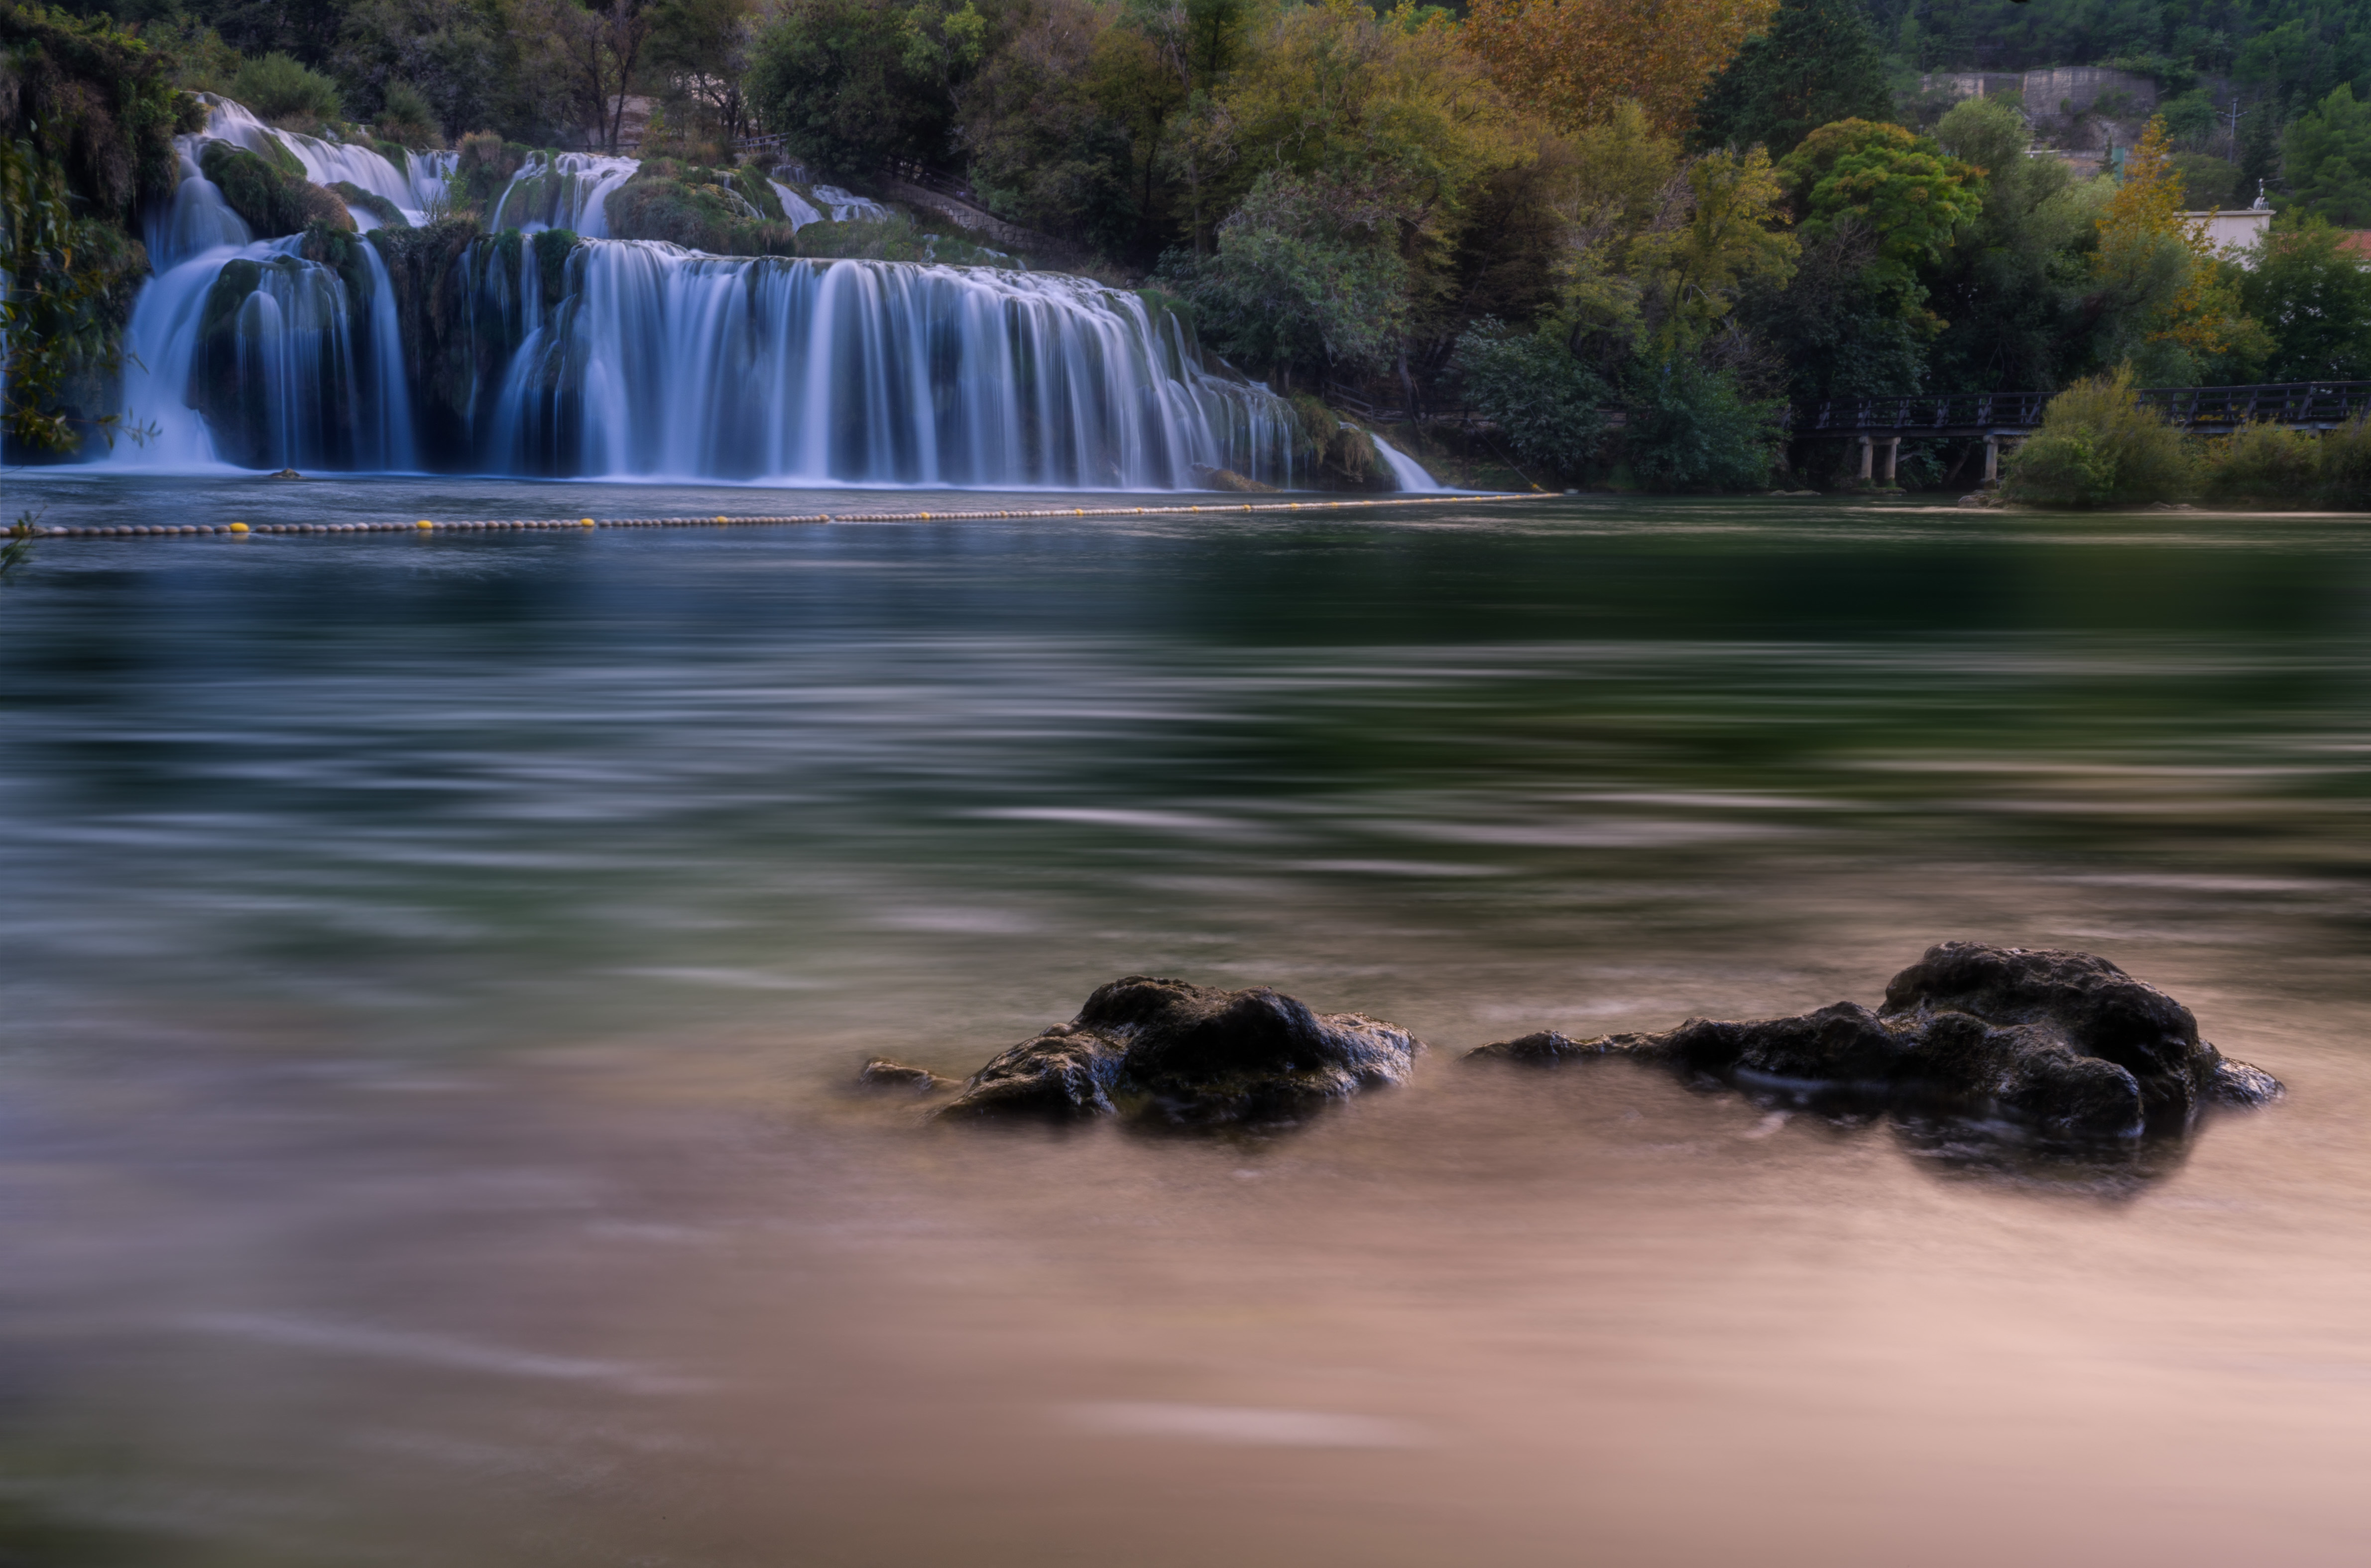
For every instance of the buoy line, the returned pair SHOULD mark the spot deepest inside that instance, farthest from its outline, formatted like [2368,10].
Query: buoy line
[430,525]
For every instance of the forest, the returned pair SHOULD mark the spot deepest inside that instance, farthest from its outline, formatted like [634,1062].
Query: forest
[1533,213]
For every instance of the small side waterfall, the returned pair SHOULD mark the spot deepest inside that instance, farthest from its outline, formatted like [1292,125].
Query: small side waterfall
[1407,474]
[533,352]
[569,191]
[414,188]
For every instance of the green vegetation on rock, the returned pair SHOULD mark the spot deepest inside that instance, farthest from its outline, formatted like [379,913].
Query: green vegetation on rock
[274,204]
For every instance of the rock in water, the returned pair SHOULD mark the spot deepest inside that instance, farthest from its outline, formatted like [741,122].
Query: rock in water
[1164,1051]
[2064,1041]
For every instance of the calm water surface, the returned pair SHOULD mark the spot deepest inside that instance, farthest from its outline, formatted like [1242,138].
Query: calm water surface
[434,966]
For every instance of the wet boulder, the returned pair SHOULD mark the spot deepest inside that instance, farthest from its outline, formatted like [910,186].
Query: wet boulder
[1168,1052]
[2064,1041]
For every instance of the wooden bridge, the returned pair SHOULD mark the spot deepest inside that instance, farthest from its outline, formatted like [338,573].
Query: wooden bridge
[1879,424]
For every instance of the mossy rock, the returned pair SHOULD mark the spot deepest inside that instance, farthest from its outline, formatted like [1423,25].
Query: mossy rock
[552,249]
[274,204]
[394,153]
[371,201]
[691,207]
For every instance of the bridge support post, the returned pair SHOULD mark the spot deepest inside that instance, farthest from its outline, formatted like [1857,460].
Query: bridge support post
[1892,453]
[1992,458]
[1867,457]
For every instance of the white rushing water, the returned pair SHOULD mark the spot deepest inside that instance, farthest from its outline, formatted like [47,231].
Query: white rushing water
[1407,474]
[634,359]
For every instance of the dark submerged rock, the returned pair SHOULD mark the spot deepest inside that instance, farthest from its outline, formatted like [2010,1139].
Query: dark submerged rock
[1165,1051]
[2064,1041]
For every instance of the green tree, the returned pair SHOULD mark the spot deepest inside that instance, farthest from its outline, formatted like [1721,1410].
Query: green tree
[832,77]
[700,49]
[2313,298]
[1045,147]
[2012,289]
[1545,402]
[1910,197]
[1817,63]
[2328,153]
[1305,280]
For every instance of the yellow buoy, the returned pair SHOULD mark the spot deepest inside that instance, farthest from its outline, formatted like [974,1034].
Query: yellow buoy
[424,522]
[238,528]
[584,522]
[720,517]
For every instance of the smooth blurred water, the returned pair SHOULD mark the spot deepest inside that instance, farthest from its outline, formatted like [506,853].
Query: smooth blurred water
[435,966]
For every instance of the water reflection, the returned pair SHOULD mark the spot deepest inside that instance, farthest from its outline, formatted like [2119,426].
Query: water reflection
[436,965]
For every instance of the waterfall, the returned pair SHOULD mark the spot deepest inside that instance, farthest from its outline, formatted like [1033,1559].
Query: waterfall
[569,191]
[663,363]
[414,188]
[795,207]
[531,353]
[1407,474]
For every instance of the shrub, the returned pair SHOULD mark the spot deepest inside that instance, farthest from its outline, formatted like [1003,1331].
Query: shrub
[2262,462]
[286,93]
[2098,447]
[1692,429]
[1544,401]
[2345,465]
[406,117]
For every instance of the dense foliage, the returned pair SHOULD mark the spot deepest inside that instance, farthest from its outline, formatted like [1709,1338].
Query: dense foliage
[1536,212]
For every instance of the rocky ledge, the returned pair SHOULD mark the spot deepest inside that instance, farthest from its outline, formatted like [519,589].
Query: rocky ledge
[1167,1052]
[2062,1040]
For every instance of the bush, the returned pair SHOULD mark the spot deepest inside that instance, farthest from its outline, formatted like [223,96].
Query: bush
[1544,401]
[1692,429]
[2098,447]
[2264,463]
[286,93]
[2344,465]
[406,117]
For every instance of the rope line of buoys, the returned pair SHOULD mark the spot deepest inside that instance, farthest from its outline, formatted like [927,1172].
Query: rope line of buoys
[426,525]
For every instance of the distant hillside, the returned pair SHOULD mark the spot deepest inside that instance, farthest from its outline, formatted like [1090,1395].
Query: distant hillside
[2291,52]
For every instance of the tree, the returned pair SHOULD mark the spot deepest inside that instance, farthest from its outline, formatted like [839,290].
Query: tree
[1817,63]
[1898,186]
[1306,279]
[1045,147]
[832,77]
[2172,304]
[701,48]
[2313,298]
[1575,60]
[1691,273]
[2329,157]
[1543,400]
[2012,289]
[1389,106]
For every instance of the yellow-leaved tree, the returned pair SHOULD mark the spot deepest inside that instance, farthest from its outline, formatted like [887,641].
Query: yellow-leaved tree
[2171,301]
[1574,60]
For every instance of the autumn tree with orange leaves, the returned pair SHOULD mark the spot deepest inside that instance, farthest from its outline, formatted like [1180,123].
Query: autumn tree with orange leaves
[1574,60]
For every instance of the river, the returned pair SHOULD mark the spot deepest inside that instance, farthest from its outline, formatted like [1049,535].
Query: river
[436,965]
